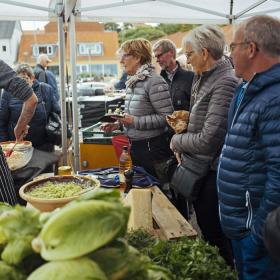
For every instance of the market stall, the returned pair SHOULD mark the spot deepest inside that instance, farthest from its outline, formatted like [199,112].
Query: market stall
[159,11]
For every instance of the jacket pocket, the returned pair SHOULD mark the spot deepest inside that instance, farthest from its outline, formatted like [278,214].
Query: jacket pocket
[249,209]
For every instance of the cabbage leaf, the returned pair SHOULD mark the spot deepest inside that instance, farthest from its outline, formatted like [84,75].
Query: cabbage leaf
[82,268]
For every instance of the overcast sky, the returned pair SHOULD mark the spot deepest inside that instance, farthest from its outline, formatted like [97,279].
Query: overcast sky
[33,25]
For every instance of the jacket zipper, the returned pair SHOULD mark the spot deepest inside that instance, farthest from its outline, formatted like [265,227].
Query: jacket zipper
[128,104]
[250,212]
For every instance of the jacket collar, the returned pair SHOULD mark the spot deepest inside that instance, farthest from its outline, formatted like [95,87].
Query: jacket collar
[264,79]
[255,85]
[163,73]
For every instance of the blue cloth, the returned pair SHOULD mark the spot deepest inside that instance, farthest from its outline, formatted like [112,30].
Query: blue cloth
[252,262]
[249,167]
[109,176]
[10,110]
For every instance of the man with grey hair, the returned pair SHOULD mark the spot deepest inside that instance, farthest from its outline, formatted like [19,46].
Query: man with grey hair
[180,84]
[42,74]
[248,178]
[39,71]
[178,79]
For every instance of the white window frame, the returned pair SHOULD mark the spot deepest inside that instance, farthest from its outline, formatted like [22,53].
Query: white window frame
[49,49]
[92,49]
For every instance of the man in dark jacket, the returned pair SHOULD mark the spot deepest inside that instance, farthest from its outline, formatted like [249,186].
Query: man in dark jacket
[178,79]
[44,75]
[180,84]
[20,89]
[249,168]
[40,68]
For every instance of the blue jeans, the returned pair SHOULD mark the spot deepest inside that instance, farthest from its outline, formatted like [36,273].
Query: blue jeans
[253,262]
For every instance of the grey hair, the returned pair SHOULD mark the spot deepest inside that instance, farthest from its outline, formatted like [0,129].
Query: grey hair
[24,68]
[264,31]
[166,45]
[42,57]
[209,37]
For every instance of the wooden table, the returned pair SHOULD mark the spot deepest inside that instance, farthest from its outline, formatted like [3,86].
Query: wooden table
[151,210]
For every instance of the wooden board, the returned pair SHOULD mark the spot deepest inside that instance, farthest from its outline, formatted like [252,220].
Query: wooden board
[140,202]
[171,224]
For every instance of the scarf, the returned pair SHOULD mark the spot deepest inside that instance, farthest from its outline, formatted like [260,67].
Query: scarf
[144,71]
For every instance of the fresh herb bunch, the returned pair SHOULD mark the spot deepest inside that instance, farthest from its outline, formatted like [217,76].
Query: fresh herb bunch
[187,259]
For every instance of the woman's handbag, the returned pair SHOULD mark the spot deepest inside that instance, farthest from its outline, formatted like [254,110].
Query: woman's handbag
[53,126]
[53,123]
[188,176]
[53,129]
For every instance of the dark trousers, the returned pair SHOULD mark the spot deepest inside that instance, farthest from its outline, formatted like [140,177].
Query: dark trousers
[151,152]
[253,262]
[207,214]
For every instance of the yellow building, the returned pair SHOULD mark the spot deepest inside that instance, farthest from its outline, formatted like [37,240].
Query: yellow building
[96,48]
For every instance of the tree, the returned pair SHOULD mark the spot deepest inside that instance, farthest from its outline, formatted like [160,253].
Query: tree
[111,26]
[130,31]
[147,32]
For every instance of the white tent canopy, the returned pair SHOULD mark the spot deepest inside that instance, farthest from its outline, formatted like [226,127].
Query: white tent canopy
[160,11]
[157,11]
[175,11]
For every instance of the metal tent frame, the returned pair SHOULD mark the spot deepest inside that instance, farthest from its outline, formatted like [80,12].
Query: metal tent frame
[67,12]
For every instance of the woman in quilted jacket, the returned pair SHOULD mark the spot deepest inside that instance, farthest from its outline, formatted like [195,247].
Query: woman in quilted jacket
[10,109]
[212,90]
[147,103]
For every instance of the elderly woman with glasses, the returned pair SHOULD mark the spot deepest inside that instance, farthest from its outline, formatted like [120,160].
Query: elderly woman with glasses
[212,90]
[147,103]
[10,109]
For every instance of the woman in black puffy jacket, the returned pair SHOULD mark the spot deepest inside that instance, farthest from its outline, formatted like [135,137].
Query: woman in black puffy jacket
[10,109]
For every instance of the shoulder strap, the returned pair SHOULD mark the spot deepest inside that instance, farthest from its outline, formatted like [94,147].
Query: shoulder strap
[43,100]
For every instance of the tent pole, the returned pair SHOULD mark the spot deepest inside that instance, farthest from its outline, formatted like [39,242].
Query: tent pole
[72,36]
[61,43]
[230,11]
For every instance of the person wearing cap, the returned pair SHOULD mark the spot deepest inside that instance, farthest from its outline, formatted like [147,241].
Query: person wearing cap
[20,89]
[44,75]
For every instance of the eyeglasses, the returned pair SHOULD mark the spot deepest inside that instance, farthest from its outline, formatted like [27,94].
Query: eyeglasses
[189,54]
[158,56]
[232,46]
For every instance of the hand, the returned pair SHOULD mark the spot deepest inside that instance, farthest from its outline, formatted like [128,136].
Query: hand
[172,146]
[21,132]
[109,127]
[178,157]
[126,120]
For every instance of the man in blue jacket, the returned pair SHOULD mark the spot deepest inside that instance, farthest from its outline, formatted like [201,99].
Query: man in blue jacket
[249,169]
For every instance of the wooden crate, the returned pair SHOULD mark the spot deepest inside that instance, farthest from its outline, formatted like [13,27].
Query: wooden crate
[164,220]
